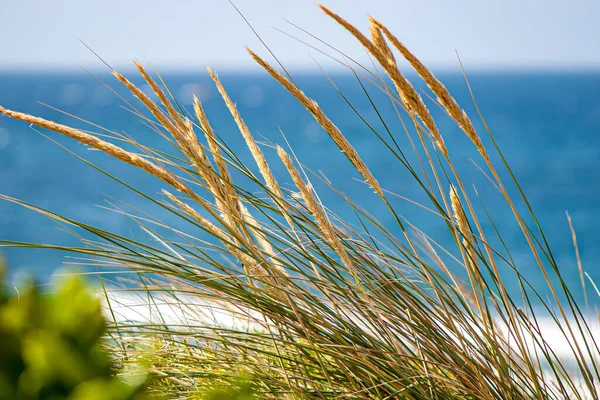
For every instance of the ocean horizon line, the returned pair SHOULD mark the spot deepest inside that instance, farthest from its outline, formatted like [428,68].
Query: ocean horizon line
[301,71]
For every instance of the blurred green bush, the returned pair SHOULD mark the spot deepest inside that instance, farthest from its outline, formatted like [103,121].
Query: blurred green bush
[51,347]
[242,392]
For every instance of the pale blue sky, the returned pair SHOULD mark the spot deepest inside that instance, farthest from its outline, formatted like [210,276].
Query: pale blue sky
[185,34]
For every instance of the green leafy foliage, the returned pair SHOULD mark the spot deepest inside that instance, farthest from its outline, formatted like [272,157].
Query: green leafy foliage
[242,392]
[52,349]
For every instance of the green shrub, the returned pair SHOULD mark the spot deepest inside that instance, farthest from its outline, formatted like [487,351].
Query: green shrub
[243,392]
[52,347]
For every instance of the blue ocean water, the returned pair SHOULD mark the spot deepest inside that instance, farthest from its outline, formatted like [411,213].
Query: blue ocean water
[547,124]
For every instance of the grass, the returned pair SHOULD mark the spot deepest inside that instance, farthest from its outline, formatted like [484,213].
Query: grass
[324,307]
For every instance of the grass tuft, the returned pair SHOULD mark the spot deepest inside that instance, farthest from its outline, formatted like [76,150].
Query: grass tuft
[270,288]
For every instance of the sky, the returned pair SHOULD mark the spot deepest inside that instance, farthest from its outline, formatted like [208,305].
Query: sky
[187,35]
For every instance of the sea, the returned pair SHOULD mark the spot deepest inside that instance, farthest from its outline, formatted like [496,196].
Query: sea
[546,123]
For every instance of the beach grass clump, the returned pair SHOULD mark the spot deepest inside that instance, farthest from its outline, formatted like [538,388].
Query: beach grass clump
[269,286]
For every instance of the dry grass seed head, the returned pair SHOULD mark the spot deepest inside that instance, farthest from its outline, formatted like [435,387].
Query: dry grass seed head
[224,180]
[183,132]
[212,142]
[226,204]
[261,238]
[256,152]
[252,267]
[329,127]
[463,227]
[115,151]
[175,116]
[210,227]
[325,226]
[163,119]
[379,41]
[443,95]
[187,140]
[409,96]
